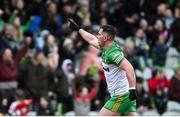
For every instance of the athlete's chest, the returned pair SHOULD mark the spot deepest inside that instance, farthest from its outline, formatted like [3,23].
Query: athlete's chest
[105,58]
[108,68]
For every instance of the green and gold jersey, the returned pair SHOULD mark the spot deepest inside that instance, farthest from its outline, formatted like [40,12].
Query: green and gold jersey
[115,77]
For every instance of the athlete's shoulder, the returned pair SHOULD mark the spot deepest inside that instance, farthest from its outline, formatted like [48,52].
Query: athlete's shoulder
[116,54]
[115,48]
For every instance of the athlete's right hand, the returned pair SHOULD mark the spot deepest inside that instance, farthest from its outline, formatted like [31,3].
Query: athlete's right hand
[73,25]
[132,94]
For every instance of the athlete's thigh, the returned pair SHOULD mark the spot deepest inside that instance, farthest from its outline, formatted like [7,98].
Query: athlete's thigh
[106,112]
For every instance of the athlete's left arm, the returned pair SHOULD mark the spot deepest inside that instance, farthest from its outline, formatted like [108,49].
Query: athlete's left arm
[128,68]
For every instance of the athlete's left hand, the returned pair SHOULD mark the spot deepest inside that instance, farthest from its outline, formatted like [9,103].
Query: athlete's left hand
[73,25]
[132,94]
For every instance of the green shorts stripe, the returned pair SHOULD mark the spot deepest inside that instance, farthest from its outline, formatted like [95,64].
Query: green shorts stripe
[121,104]
[117,103]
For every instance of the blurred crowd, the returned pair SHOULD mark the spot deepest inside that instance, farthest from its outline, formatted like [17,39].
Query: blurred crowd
[48,69]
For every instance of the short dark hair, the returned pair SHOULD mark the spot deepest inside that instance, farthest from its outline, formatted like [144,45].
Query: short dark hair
[19,93]
[111,30]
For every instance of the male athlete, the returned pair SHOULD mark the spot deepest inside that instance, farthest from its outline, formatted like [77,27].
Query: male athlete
[119,73]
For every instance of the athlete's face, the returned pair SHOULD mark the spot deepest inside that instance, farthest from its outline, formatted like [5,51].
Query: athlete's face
[102,37]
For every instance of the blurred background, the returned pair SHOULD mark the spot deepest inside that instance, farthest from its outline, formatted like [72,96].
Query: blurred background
[47,69]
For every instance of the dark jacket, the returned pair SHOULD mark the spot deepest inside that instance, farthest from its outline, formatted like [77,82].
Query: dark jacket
[174,89]
[36,79]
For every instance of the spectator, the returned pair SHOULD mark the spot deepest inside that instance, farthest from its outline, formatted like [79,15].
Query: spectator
[82,100]
[158,28]
[160,100]
[9,70]
[130,53]
[44,107]
[68,10]
[51,51]
[4,106]
[52,101]
[20,27]
[175,87]
[39,40]
[52,21]
[158,80]
[18,34]
[36,76]
[49,44]
[141,48]
[144,25]
[160,50]
[175,32]
[7,40]
[68,50]
[140,41]
[67,68]
[21,12]
[168,18]
[158,87]
[65,88]
[20,107]
[84,12]
[58,90]
[161,8]
[143,101]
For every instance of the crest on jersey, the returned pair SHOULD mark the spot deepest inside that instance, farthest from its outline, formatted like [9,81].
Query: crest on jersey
[106,69]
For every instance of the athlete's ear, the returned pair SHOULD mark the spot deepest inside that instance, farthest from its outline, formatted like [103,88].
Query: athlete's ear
[107,37]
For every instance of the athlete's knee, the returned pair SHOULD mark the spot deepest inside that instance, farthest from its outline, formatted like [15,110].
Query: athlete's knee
[106,112]
[101,112]
[132,114]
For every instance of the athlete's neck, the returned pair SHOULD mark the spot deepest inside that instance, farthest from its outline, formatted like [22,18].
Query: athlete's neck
[107,44]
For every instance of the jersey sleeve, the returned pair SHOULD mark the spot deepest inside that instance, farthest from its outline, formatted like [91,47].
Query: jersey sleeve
[117,57]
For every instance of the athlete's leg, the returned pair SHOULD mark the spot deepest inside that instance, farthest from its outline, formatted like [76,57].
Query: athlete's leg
[106,112]
[132,114]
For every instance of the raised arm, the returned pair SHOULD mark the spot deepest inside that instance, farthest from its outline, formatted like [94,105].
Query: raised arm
[24,49]
[90,38]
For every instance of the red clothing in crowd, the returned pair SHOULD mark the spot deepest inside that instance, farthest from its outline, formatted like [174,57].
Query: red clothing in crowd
[82,104]
[9,71]
[155,83]
[91,94]
[20,108]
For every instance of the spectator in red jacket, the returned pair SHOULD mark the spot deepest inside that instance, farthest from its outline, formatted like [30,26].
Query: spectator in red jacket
[158,81]
[158,87]
[20,107]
